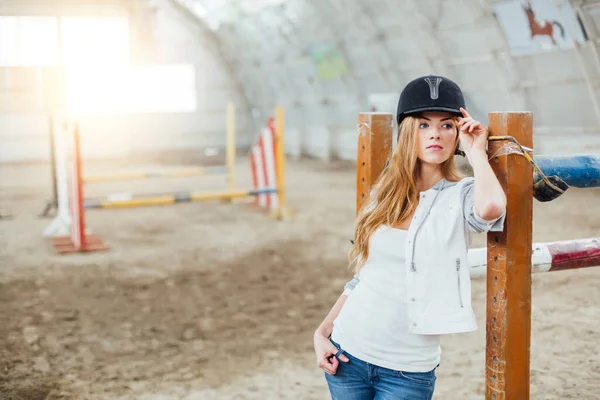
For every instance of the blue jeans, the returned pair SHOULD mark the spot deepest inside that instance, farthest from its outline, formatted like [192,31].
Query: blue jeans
[358,380]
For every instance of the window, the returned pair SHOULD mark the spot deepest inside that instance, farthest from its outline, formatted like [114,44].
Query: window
[95,52]
[95,41]
[34,41]
[28,41]
[139,89]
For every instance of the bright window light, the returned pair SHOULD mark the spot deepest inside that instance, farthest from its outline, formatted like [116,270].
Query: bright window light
[95,41]
[95,51]
[139,89]
[28,41]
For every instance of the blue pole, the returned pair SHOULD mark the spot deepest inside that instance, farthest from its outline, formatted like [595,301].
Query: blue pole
[582,171]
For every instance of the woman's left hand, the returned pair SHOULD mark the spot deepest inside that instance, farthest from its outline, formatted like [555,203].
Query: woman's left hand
[473,135]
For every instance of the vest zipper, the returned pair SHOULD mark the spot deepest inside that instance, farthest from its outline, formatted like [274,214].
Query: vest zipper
[458,276]
[413,268]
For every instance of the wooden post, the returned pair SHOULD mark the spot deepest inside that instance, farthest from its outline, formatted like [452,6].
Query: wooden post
[231,146]
[375,140]
[508,326]
[280,154]
[282,212]
[78,213]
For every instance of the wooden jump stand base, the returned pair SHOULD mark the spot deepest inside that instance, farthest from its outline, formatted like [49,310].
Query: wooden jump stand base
[65,245]
[282,213]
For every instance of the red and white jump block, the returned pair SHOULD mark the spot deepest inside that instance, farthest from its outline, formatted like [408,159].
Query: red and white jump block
[264,168]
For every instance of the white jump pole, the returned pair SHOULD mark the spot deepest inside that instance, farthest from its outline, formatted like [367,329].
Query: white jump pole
[61,224]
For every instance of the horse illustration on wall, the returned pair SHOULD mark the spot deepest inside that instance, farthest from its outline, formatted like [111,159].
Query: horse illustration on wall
[542,28]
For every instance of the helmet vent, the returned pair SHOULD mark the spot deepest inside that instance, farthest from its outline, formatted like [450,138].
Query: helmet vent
[434,87]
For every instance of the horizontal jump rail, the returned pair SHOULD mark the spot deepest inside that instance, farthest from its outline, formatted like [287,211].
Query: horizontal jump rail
[581,171]
[137,200]
[151,175]
[548,257]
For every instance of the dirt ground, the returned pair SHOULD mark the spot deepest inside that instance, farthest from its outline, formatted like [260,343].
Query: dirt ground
[217,301]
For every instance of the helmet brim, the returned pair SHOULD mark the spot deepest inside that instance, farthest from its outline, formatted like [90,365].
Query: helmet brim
[423,109]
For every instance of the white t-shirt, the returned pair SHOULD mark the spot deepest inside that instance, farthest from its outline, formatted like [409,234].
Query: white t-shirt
[373,323]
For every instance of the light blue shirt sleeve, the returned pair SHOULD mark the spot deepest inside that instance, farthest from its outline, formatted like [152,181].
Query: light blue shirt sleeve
[474,222]
[349,286]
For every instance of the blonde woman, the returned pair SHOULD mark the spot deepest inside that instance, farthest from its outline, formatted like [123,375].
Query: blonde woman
[381,339]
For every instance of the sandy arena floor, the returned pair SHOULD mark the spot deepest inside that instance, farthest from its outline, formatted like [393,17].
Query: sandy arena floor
[217,301]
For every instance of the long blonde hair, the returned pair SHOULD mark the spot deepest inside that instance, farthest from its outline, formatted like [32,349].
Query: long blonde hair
[395,190]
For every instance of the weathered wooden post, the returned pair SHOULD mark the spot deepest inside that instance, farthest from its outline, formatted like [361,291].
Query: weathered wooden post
[375,140]
[508,326]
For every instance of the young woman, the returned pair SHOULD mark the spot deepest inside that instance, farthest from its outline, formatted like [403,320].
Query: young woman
[381,339]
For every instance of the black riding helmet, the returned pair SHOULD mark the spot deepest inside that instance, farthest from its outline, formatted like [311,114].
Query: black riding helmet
[430,93]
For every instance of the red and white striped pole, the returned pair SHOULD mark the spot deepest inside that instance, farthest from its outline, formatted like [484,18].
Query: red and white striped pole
[548,257]
[253,168]
[263,163]
[264,170]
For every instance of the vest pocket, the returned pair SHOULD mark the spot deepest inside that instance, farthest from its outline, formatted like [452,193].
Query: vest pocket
[458,280]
